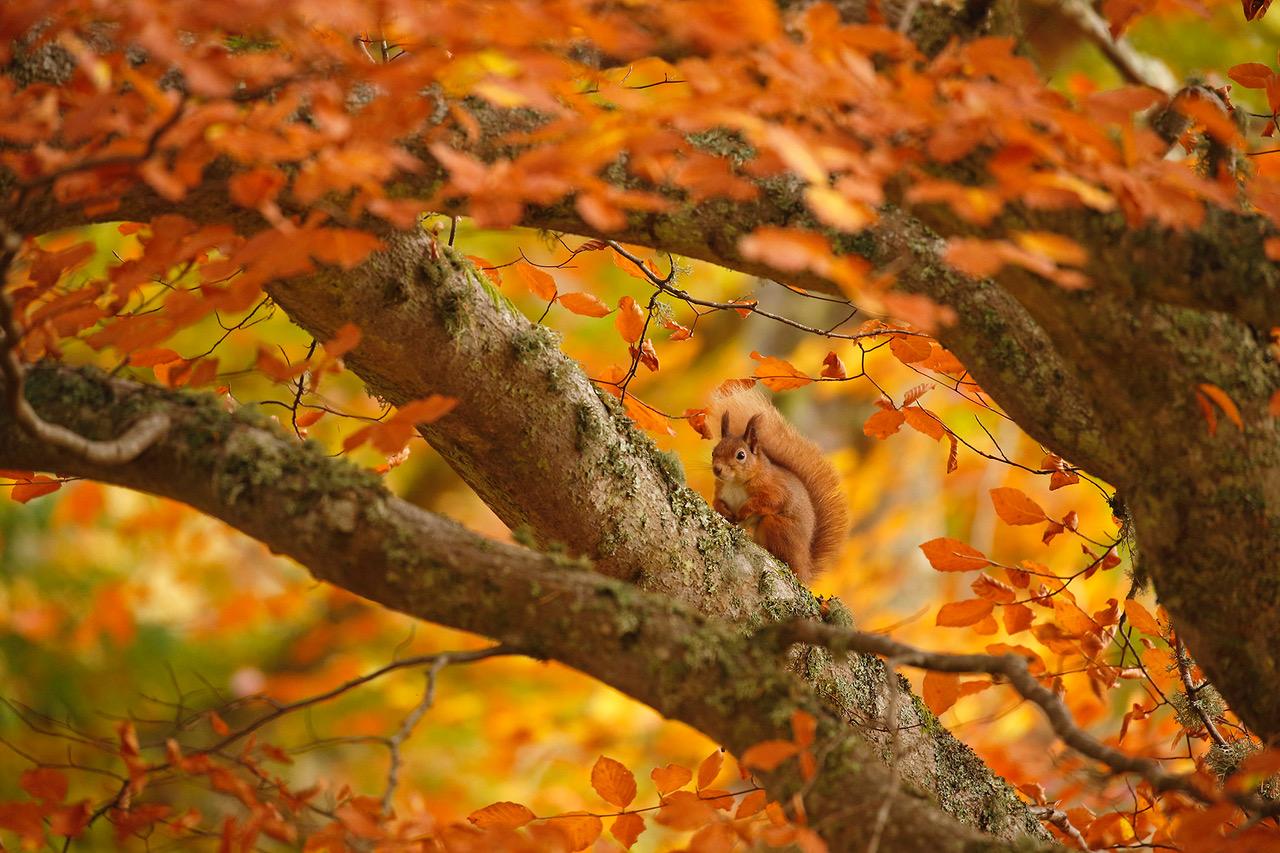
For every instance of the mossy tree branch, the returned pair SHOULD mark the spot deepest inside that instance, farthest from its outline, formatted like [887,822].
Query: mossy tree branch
[342,524]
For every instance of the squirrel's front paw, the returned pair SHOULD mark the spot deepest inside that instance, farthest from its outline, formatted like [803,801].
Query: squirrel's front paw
[723,508]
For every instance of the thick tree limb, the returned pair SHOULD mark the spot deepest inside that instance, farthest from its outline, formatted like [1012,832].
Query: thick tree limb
[544,448]
[348,530]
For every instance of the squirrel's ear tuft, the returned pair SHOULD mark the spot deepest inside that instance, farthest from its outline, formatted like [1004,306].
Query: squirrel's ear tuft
[724,425]
[751,436]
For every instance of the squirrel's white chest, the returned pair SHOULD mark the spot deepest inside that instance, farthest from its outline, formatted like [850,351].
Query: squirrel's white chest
[733,494]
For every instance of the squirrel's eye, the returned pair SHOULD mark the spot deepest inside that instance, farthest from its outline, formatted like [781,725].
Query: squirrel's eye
[742,454]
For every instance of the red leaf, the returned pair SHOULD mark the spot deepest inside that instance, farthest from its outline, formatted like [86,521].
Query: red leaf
[1251,75]
[833,367]
[45,783]
[37,486]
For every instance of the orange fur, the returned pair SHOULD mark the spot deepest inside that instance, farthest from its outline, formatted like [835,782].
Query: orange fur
[766,471]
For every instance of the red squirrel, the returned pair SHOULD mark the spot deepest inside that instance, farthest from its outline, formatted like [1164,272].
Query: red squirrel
[770,474]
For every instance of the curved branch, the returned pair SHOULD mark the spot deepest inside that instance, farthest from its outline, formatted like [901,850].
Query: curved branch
[348,530]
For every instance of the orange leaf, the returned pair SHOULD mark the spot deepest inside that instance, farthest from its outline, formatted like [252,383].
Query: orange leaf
[581,828]
[1218,396]
[45,783]
[345,247]
[752,803]
[584,303]
[883,423]
[614,783]
[1014,507]
[683,810]
[37,486]
[940,690]
[1018,617]
[833,367]
[709,769]
[1251,75]
[630,319]
[670,778]
[920,420]
[958,614]
[803,728]
[627,829]
[1273,405]
[778,375]
[952,555]
[910,349]
[768,754]
[539,283]
[985,586]
[344,341]
[1141,618]
[507,815]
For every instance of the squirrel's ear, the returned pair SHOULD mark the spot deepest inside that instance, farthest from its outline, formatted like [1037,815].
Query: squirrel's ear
[724,425]
[751,437]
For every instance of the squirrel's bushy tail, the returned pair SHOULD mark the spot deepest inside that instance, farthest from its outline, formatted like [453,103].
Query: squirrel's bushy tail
[789,449]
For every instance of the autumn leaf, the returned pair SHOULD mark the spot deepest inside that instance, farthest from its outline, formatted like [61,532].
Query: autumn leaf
[985,586]
[670,778]
[910,349]
[940,690]
[1223,402]
[778,375]
[833,367]
[37,486]
[952,555]
[507,815]
[922,421]
[1141,618]
[884,423]
[627,828]
[44,783]
[584,303]
[582,829]
[767,755]
[1014,507]
[752,803]
[630,319]
[614,783]
[709,769]
[343,341]
[539,283]
[959,614]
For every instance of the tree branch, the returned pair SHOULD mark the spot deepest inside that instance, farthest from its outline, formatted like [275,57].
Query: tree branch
[343,525]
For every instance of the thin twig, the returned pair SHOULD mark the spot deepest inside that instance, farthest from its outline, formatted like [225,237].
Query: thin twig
[1015,670]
